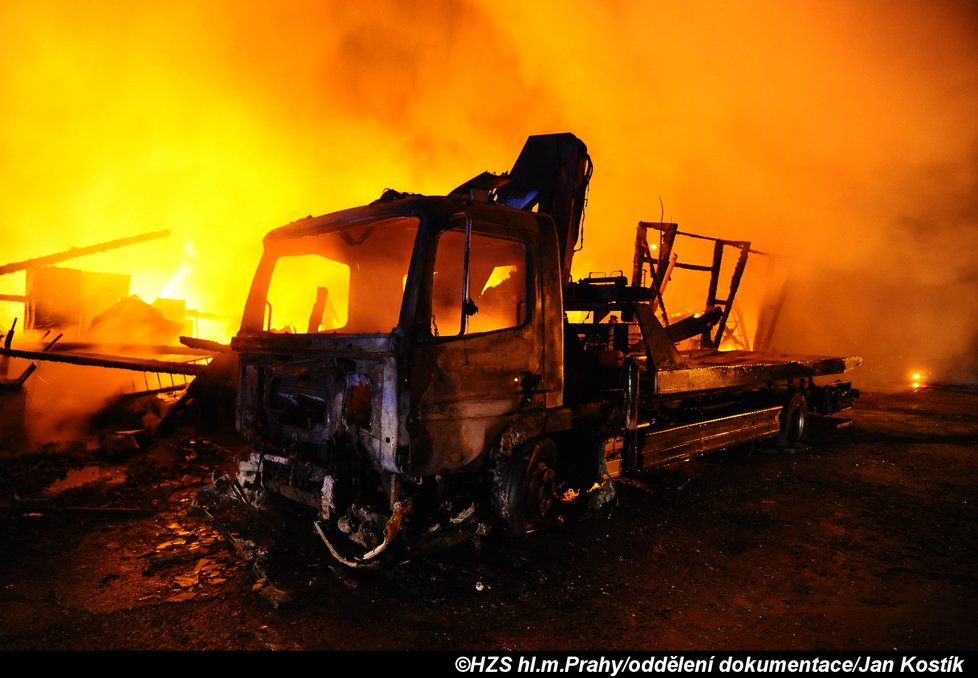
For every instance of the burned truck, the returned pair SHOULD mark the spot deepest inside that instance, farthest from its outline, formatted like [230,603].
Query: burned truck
[418,370]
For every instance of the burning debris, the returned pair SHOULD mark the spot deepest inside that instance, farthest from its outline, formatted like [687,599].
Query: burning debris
[133,321]
[109,328]
[70,298]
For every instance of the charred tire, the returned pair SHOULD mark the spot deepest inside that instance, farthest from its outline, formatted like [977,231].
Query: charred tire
[794,422]
[529,487]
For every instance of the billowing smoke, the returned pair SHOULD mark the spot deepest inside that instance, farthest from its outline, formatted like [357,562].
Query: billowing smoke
[837,135]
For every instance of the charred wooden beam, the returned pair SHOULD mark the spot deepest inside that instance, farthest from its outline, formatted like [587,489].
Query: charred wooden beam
[19,381]
[201,347]
[80,251]
[205,345]
[5,361]
[116,362]
[693,325]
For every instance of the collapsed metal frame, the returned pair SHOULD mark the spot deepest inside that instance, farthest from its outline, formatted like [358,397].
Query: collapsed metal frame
[660,270]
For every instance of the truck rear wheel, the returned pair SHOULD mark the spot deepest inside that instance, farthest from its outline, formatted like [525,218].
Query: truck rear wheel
[530,486]
[794,422]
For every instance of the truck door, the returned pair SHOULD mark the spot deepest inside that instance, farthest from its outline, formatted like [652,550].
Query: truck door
[479,352]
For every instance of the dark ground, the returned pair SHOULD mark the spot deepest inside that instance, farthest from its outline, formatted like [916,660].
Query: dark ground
[867,540]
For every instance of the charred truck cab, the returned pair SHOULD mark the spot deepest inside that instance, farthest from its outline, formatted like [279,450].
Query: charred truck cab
[363,357]
[404,373]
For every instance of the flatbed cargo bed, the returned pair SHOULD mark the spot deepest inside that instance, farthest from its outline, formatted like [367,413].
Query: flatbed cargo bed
[712,370]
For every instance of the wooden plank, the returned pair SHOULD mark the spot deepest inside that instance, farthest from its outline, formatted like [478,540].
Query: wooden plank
[80,251]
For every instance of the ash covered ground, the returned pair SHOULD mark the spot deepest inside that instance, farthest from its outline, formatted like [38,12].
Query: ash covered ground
[867,539]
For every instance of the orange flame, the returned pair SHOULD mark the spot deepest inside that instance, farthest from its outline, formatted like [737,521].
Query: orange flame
[834,134]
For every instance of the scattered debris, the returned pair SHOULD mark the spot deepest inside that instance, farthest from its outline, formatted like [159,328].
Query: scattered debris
[245,549]
[132,320]
[188,580]
[347,581]
[182,597]
[161,560]
[121,442]
[601,495]
[105,580]
[275,596]
[193,447]
[209,399]
[85,475]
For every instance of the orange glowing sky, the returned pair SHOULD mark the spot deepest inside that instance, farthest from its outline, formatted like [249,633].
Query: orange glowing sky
[839,134]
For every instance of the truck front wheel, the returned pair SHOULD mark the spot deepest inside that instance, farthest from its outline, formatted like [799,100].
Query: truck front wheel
[528,490]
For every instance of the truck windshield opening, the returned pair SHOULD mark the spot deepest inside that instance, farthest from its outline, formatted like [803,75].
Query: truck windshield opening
[349,280]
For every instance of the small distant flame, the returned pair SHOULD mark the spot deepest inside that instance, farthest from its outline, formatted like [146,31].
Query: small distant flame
[570,494]
[918,379]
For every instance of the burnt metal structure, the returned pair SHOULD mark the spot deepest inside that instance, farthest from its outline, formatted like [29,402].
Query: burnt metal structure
[409,374]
